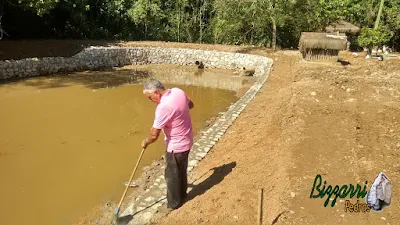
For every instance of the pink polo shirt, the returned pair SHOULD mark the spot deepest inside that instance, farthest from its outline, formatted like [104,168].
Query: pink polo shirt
[173,117]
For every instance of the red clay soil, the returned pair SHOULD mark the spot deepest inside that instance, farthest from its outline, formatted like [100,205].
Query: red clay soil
[257,148]
[310,118]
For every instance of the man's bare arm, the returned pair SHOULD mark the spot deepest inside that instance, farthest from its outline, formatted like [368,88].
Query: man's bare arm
[152,137]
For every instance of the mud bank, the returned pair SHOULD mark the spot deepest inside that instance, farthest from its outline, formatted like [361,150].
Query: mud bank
[100,57]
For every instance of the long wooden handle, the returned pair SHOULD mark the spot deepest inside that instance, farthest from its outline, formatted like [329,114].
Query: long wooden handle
[130,180]
[260,206]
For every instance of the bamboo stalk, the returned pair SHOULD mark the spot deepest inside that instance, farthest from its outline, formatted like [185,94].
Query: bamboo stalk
[378,18]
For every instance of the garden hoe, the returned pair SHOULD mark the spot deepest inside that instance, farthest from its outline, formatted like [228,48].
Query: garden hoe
[115,220]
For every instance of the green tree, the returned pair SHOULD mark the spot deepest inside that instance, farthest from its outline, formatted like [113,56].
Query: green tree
[386,25]
[391,19]
[259,22]
[370,37]
[175,11]
[254,22]
[272,12]
[233,21]
[41,7]
[148,14]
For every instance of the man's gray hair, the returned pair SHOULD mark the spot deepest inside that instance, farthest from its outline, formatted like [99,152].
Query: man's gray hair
[152,85]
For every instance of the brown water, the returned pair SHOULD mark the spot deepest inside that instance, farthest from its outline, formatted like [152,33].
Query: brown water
[68,143]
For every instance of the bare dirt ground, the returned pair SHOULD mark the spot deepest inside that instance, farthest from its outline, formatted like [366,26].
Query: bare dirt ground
[310,118]
[67,48]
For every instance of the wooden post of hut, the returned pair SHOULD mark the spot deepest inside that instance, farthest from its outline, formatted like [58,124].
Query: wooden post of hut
[314,46]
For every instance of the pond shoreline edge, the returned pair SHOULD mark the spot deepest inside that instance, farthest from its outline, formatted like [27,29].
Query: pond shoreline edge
[144,206]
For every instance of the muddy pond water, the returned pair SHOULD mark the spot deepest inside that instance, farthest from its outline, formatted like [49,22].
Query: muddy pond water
[68,143]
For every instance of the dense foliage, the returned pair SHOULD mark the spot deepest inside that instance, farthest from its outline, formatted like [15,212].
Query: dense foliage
[258,22]
[370,37]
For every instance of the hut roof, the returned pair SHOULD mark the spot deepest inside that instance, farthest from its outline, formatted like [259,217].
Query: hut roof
[343,27]
[312,40]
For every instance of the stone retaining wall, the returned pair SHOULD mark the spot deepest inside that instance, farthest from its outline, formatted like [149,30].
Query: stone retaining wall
[146,204]
[98,57]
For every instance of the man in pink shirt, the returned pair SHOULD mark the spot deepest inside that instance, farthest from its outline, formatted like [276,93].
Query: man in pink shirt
[173,117]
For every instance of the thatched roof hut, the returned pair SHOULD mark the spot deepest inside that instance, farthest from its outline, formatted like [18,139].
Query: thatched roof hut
[342,27]
[321,45]
[312,40]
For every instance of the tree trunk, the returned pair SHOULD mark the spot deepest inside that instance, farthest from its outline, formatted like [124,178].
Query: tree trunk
[273,25]
[378,18]
[145,31]
[369,53]
[190,38]
[179,24]
[201,25]
[273,33]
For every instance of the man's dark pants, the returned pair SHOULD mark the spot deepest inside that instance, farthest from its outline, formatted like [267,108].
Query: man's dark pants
[176,177]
